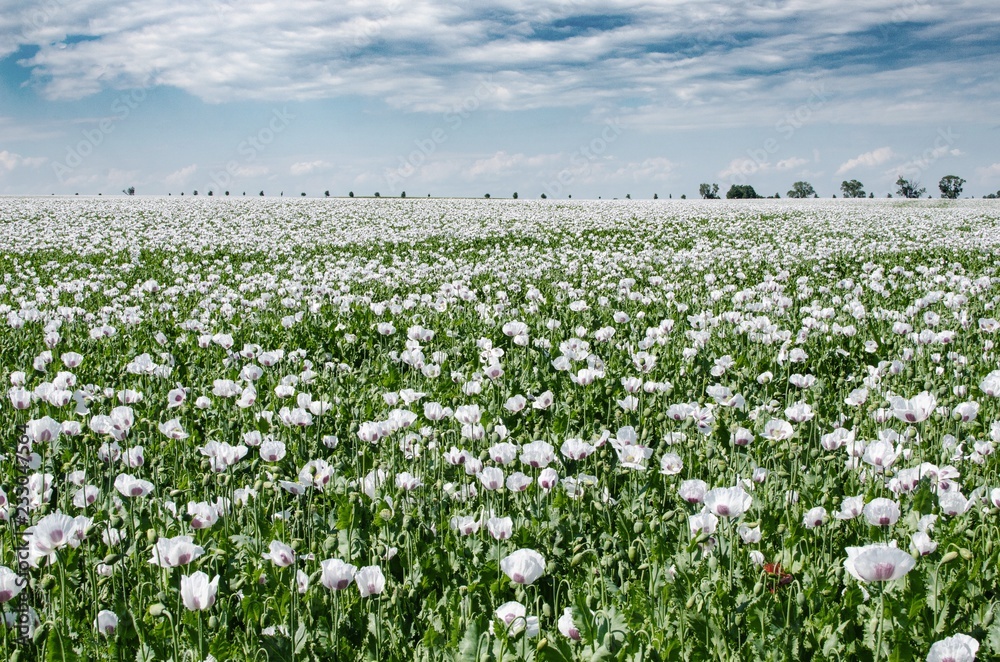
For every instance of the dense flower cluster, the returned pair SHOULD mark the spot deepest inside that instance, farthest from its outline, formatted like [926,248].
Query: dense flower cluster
[340,429]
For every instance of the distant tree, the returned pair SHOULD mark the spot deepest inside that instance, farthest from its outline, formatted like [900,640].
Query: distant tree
[326,194]
[303,194]
[515,195]
[656,197]
[403,194]
[871,195]
[951,186]
[262,194]
[684,196]
[210,194]
[350,194]
[129,191]
[487,196]
[777,195]
[628,196]
[908,189]
[852,189]
[741,192]
[709,191]
[802,190]
[196,192]
[544,196]
[227,194]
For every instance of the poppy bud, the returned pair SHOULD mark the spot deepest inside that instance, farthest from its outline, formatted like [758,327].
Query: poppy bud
[213,622]
[40,633]
[637,527]
[965,554]
[631,553]
[949,557]
[156,609]
[577,559]
[151,535]
[48,581]
[112,559]
[542,644]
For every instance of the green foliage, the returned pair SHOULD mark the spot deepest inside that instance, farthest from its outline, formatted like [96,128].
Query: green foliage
[741,192]
[800,190]
[852,189]
[951,186]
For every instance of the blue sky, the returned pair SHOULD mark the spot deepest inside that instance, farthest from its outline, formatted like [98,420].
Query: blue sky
[563,97]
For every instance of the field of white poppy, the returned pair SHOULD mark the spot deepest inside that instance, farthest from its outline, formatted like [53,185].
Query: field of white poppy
[499,430]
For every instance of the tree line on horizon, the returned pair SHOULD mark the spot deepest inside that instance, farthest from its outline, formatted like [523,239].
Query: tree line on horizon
[949,185]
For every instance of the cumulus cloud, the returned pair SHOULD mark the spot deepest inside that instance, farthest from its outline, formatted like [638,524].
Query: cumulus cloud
[789,164]
[307,167]
[868,159]
[9,161]
[182,176]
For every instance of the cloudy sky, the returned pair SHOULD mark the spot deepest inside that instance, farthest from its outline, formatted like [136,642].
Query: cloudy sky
[563,97]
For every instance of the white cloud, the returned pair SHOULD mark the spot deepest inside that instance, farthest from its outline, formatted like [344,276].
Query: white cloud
[9,161]
[790,163]
[690,60]
[990,174]
[307,167]
[182,176]
[868,159]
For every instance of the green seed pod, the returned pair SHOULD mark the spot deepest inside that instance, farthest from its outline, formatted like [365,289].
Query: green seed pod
[965,554]
[660,417]
[631,553]
[152,535]
[800,598]
[577,548]
[112,559]
[690,602]
[542,644]
[606,545]
[157,609]
[758,588]
[267,485]
[40,633]
[48,581]
[258,484]
[667,516]
[213,622]
[296,544]
[713,563]
[577,559]
[206,479]
[176,493]
[115,521]
[546,610]
[223,479]
[643,566]
[637,527]
[949,557]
